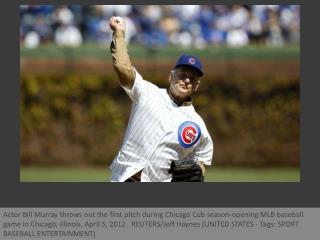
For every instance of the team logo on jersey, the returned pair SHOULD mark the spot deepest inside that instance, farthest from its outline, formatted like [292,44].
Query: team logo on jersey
[188,134]
[192,61]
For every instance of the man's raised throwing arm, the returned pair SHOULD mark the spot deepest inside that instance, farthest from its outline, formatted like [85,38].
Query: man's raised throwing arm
[120,58]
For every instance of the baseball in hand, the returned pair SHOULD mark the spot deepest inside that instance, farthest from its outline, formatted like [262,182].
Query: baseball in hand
[119,20]
[117,23]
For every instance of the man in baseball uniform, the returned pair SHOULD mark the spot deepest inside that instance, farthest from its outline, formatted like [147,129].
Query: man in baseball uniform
[165,140]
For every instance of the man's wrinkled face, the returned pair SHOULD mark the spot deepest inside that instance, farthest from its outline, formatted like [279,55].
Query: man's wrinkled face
[184,81]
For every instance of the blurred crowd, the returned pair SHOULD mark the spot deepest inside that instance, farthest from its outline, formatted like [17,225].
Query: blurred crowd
[161,25]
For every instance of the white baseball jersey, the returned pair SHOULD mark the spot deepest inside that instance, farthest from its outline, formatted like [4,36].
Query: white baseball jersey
[159,131]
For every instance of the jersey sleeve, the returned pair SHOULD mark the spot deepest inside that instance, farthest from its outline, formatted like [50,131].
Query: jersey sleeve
[204,151]
[141,88]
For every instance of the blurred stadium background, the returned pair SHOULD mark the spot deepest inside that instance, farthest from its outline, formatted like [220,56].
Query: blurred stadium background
[73,113]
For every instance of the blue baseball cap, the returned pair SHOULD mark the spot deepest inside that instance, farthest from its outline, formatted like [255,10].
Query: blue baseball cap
[190,61]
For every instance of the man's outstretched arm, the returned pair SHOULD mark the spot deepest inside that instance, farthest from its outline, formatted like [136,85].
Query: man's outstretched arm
[120,58]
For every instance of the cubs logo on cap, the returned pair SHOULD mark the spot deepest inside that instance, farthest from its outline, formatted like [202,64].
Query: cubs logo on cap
[188,134]
[190,61]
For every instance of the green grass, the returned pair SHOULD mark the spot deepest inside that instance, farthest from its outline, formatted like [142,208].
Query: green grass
[214,174]
[135,51]
[253,175]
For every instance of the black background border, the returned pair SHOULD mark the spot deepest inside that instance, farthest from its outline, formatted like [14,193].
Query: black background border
[16,194]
